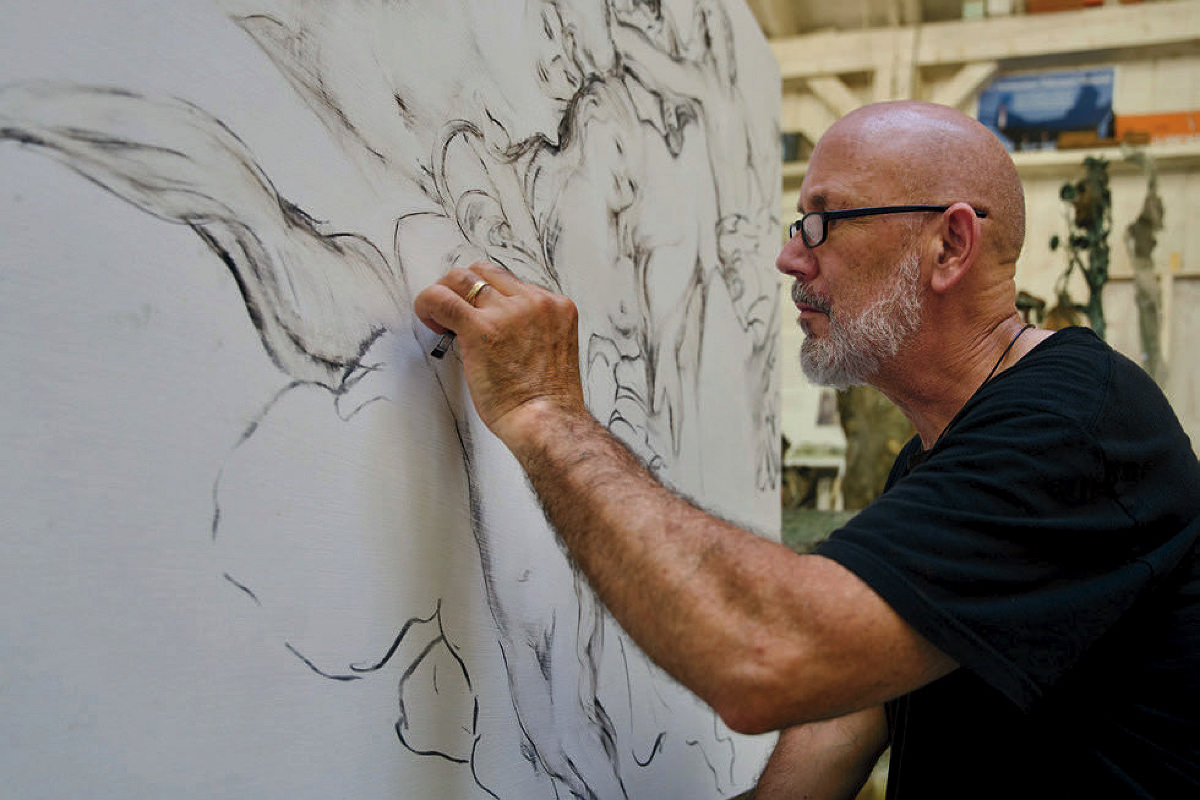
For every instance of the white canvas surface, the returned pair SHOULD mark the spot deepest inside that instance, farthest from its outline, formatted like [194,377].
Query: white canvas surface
[256,543]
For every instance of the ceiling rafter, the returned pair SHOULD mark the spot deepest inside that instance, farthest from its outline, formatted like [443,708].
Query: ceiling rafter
[969,79]
[994,39]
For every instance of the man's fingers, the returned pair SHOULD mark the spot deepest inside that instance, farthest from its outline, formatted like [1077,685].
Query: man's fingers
[500,279]
[444,306]
[460,281]
[441,308]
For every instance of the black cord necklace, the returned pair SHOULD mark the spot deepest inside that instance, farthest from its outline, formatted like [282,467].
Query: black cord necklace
[919,457]
[1000,360]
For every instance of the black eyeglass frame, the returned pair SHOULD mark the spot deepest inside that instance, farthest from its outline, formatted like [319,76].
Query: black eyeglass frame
[850,213]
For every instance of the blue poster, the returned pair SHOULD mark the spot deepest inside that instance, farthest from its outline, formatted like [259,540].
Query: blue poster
[1027,112]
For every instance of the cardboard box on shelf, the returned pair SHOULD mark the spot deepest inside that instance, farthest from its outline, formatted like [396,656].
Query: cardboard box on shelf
[1043,6]
[1084,140]
[1159,127]
[1077,140]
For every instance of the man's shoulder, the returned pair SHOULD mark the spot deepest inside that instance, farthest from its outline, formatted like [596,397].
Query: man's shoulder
[1072,356]
[1075,374]
[1078,374]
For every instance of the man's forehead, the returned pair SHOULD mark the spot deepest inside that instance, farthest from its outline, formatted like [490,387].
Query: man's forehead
[846,172]
[817,190]
[823,189]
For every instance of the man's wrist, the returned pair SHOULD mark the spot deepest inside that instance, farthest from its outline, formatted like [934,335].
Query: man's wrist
[535,422]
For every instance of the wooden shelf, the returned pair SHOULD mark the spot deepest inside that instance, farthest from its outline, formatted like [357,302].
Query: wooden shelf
[1167,155]
[1041,163]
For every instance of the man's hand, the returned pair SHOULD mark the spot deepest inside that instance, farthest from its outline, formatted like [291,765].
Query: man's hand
[519,344]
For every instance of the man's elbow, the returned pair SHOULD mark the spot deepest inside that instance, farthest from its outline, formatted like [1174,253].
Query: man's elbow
[754,713]
[740,718]
[770,698]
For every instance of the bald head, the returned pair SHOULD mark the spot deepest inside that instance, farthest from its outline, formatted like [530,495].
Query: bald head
[934,154]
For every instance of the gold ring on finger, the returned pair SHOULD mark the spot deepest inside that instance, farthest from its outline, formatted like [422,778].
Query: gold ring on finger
[475,290]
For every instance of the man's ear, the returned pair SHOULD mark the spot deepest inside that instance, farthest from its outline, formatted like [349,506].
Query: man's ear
[959,238]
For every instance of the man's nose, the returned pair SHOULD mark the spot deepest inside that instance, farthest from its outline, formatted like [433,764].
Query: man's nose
[796,259]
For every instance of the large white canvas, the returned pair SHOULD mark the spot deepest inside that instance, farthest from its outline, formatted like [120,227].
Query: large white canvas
[256,544]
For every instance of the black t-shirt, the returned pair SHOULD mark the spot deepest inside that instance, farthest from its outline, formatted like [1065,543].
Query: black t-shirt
[1047,543]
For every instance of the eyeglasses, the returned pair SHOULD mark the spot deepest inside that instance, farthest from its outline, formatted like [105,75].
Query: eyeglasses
[813,227]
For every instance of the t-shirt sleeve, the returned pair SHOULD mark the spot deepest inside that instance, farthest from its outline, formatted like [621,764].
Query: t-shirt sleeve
[1005,548]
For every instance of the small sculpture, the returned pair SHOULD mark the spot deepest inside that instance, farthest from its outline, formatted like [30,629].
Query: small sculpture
[1140,242]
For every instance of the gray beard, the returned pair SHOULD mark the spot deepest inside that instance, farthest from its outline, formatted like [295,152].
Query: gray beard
[856,347]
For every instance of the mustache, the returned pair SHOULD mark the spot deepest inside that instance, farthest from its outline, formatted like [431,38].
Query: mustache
[802,295]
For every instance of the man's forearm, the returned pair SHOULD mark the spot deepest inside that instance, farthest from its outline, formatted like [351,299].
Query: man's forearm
[686,585]
[830,759]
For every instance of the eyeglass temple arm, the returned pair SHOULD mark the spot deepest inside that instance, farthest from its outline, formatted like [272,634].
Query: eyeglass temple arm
[866,212]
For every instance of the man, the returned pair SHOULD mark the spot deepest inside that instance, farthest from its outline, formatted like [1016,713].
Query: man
[1018,614]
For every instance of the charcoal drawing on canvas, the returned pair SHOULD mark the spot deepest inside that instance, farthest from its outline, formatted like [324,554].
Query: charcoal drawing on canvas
[611,151]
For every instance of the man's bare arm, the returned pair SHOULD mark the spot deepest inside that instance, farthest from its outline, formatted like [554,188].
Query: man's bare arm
[767,637]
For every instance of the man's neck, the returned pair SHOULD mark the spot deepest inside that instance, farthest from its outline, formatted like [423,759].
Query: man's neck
[931,383]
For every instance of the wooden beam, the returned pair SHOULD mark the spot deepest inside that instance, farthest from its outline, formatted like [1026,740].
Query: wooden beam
[904,63]
[776,17]
[804,113]
[833,93]
[895,72]
[1138,26]
[912,12]
[1105,28]
[965,83]
[895,14]
[904,12]
[883,82]
[829,53]
[1052,163]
